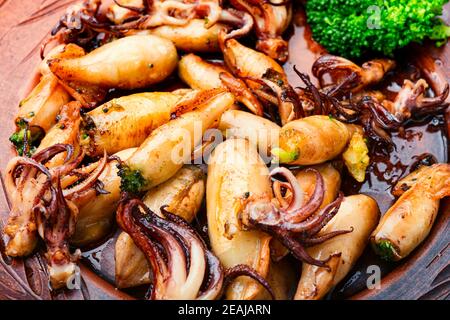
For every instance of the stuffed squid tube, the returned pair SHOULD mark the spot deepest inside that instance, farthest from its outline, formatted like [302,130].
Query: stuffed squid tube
[126,122]
[312,140]
[43,104]
[170,146]
[235,172]
[128,63]
[358,213]
[409,221]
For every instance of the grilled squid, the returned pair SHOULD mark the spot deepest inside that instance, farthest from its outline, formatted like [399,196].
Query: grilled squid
[43,104]
[201,75]
[170,146]
[183,194]
[294,222]
[127,63]
[235,172]
[92,21]
[65,131]
[126,122]
[271,19]
[265,76]
[44,201]
[312,140]
[408,222]
[259,131]
[358,213]
[38,112]
[307,180]
[95,218]
[333,71]
[181,265]
[411,100]
[191,37]
[281,278]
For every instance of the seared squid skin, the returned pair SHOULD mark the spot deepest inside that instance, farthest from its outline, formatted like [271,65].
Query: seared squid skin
[183,194]
[65,131]
[260,131]
[312,140]
[408,222]
[359,213]
[127,121]
[43,104]
[88,95]
[62,51]
[199,74]
[127,63]
[170,146]
[236,172]
[192,37]
[96,213]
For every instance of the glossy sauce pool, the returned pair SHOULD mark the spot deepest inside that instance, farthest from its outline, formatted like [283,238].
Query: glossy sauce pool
[419,142]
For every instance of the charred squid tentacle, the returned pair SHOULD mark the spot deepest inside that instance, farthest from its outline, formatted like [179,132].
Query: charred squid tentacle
[57,224]
[181,264]
[296,226]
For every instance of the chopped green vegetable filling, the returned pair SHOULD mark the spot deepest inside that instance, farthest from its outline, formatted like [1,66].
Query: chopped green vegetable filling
[285,156]
[385,250]
[132,181]
[17,139]
[351,28]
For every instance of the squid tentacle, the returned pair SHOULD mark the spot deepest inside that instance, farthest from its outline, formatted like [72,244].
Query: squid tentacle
[173,248]
[296,225]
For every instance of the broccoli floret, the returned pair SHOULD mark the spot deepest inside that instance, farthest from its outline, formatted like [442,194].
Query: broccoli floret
[132,181]
[350,28]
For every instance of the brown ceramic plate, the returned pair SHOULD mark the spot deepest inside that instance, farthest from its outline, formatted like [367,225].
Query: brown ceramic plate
[425,274]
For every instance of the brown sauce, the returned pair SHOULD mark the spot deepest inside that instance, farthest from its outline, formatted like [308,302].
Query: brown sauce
[303,50]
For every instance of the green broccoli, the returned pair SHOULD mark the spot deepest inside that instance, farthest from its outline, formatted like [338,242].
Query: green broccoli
[132,181]
[350,28]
